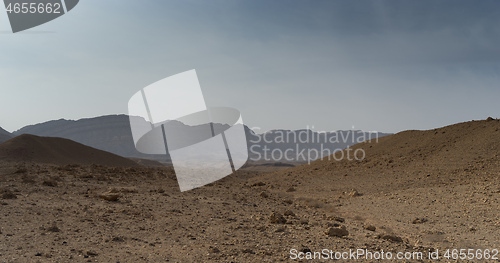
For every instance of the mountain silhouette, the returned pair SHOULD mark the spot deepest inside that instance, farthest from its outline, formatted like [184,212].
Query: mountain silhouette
[112,133]
[108,133]
[4,135]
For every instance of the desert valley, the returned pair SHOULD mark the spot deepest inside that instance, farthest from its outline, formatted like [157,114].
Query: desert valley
[415,191]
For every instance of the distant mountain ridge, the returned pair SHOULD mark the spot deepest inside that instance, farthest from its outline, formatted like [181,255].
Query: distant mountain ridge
[109,133]
[112,133]
[4,135]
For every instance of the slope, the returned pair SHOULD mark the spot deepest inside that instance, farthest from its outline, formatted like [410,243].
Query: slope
[31,148]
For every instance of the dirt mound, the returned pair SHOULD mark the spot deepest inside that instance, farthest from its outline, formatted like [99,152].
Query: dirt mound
[31,148]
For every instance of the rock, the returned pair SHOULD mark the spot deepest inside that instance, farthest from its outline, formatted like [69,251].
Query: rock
[50,182]
[277,218]
[248,251]
[390,237]
[213,249]
[259,184]
[7,194]
[339,219]
[118,239]
[354,193]
[280,229]
[291,189]
[340,231]
[490,119]
[289,213]
[53,228]
[370,227]
[419,220]
[264,195]
[261,228]
[109,196]
[113,190]
[330,224]
[92,253]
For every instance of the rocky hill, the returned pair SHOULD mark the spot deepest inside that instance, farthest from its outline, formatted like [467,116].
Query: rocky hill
[436,188]
[35,149]
[108,133]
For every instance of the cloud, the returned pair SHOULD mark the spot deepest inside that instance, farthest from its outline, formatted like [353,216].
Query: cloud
[385,65]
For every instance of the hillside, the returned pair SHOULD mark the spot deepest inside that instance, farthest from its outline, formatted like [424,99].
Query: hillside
[438,188]
[108,133]
[448,153]
[31,148]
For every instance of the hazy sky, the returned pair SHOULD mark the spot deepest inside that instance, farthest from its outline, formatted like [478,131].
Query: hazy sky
[375,65]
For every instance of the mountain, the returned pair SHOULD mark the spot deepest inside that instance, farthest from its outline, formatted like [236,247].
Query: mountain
[108,133]
[112,133]
[31,148]
[4,135]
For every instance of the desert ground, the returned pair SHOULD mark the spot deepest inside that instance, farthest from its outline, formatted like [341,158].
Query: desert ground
[415,191]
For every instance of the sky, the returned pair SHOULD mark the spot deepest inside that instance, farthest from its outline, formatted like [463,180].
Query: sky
[328,65]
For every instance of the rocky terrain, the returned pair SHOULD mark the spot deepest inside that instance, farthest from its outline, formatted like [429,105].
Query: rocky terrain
[415,191]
